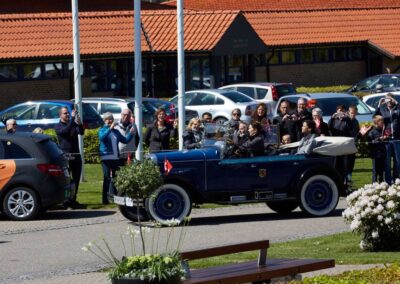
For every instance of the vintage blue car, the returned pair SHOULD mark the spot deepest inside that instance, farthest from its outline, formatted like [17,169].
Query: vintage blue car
[283,182]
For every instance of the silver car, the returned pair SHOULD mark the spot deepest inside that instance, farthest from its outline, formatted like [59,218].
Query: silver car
[219,103]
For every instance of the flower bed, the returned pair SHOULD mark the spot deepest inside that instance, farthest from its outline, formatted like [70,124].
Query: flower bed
[374,212]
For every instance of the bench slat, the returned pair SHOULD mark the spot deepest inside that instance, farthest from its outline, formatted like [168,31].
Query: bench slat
[210,252]
[249,271]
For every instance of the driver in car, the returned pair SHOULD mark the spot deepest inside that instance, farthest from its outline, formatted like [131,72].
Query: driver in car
[255,145]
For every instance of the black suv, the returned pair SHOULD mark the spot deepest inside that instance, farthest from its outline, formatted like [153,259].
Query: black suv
[34,175]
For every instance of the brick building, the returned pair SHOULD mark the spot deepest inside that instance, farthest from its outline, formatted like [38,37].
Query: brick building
[305,42]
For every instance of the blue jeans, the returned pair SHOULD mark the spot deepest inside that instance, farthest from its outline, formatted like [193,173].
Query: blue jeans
[392,151]
[109,169]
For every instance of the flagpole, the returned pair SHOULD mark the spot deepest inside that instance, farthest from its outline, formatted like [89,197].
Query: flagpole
[181,72]
[138,78]
[77,75]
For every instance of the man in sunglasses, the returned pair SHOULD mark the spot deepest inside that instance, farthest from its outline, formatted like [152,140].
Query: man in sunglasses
[68,129]
[11,126]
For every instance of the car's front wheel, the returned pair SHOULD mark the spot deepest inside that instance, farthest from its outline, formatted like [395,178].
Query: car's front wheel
[130,213]
[21,203]
[318,195]
[283,207]
[168,202]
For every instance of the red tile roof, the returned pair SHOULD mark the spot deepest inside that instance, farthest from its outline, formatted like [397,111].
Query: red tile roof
[284,5]
[50,35]
[64,6]
[380,27]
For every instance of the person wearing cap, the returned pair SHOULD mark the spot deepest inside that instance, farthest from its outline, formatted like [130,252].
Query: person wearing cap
[11,126]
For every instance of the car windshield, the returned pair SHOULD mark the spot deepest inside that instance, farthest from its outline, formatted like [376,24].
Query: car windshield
[237,97]
[328,105]
[89,111]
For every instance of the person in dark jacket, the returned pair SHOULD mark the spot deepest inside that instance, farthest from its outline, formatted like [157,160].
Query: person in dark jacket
[388,108]
[321,127]
[255,145]
[377,147]
[232,125]
[354,132]
[67,131]
[109,138]
[301,112]
[193,135]
[287,122]
[158,134]
[339,126]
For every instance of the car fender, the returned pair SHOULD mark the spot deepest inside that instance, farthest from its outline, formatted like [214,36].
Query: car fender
[320,169]
[193,192]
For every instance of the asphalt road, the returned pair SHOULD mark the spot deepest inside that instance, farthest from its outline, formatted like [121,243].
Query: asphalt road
[51,247]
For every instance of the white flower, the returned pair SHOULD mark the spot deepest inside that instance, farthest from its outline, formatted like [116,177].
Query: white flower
[374,197]
[380,217]
[383,193]
[397,182]
[363,245]
[380,200]
[87,246]
[172,222]
[388,220]
[375,234]
[392,191]
[390,204]
[379,208]
[354,225]
[397,216]
[146,230]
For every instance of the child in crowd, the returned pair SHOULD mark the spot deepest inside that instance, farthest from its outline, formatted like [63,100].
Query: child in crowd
[286,139]
[376,140]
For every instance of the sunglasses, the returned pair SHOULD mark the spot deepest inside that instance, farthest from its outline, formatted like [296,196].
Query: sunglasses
[235,113]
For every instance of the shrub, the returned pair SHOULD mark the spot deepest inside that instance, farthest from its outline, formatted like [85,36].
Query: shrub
[374,211]
[327,89]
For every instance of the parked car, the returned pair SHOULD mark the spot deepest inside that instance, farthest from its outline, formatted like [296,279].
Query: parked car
[33,175]
[219,103]
[373,100]
[263,92]
[149,107]
[327,102]
[283,182]
[44,114]
[384,82]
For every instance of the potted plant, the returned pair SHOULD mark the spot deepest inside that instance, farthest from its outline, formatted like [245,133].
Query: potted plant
[374,212]
[145,264]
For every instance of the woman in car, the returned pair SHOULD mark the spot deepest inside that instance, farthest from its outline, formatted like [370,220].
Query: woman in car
[109,155]
[193,135]
[255,144]
[307,143]
[260,115]
[158,134]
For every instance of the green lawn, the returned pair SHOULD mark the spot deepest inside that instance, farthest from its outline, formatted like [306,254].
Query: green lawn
[344,248]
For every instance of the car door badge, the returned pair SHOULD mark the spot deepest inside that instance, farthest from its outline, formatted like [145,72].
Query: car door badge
[262,173]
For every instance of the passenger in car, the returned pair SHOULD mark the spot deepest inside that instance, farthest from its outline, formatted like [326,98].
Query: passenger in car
[260,115]
[307,143]
[193,135]
[321,127]
[232,125]
[109,154]
[158,134]
[255,145]
[11,125]
[302,113]
[241,135]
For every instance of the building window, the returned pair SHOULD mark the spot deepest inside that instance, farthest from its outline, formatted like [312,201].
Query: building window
[288,57]
[8,72]
[53,70]
[32,71]
[235,69]
[339,54]
[71,67]
[273,57]
[98,73]
[306,56]
[355,53]
[321,54]
[195,82]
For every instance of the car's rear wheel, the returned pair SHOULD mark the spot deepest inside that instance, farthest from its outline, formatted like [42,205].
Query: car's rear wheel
[168,202]
[318,195]
[21,203]
[220,120]
[130,213]
[283,206]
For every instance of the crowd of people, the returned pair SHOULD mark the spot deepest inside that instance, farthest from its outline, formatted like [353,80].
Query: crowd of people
[118,141]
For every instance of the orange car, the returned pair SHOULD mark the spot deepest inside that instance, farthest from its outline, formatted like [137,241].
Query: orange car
[33,175]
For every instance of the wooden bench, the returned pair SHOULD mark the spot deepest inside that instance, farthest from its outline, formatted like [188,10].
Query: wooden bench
[257,271]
